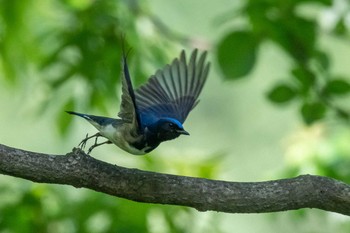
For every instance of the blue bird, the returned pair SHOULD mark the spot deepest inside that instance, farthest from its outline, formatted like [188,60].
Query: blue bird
[154,112]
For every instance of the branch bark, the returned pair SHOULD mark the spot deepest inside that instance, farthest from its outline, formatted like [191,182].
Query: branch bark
[80,170]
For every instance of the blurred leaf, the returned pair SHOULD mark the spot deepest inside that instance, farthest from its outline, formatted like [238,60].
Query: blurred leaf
[337,87]
[237,54]
[323,59]
[296,35]
[324,2]
[312,112]
[305,78]
[340,28]
[26,215]
[281,94]
[343,114]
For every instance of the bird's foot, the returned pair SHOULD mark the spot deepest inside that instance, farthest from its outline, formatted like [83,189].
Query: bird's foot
[82,144]
[98,144]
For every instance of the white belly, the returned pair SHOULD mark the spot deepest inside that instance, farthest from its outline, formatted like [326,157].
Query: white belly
[121,138]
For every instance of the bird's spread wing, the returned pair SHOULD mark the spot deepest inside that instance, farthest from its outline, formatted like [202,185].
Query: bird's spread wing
[128,108]
[174,90]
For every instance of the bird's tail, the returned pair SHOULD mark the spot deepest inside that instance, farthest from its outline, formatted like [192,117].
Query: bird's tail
[85,116]
[97,121]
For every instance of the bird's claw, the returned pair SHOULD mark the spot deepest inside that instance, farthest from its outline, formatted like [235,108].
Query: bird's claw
[98,144]
[82,144]
[91,148]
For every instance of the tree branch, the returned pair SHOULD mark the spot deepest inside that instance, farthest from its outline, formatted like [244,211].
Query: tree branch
[80,170]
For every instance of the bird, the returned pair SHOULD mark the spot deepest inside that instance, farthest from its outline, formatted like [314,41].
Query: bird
[155,111]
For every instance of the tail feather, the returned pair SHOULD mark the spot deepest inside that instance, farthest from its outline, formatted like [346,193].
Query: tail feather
[97,121]
[85,116]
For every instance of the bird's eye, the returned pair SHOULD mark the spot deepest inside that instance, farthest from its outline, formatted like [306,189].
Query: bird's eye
[171,125]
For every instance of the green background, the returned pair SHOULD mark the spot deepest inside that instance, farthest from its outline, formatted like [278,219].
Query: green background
[252,124]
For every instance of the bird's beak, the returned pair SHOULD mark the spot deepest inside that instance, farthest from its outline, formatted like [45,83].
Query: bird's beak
[182,131]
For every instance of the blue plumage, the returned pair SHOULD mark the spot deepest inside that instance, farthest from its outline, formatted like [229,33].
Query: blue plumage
[154,112]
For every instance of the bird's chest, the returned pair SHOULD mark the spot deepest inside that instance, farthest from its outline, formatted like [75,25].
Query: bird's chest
[123,138]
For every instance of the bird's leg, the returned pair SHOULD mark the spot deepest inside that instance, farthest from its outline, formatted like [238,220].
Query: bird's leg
[98,144]
[83,142]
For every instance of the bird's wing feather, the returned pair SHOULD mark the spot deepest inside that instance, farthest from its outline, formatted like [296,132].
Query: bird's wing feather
[174,90]
[128,108]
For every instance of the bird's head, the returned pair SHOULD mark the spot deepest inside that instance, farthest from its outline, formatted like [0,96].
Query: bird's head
[169,128]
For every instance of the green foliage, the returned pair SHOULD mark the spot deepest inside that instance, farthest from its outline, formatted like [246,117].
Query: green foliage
[235,58]
[82,42]
[295,35]
[322,150]
[305,79]
[311,82]
[47,209]
[312,112]
[76,50]
[336,87]
[28,217]
[281,93]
